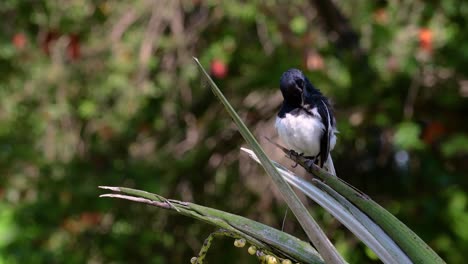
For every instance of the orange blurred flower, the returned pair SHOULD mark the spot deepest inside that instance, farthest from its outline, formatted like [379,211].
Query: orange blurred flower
[425,39]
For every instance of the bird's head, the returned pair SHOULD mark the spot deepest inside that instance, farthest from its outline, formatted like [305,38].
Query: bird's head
[292,85]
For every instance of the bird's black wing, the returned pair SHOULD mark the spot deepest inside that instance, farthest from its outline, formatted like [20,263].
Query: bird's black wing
[324,112]
[314,97]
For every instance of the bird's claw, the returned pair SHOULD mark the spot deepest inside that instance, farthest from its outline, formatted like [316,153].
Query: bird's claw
[294,156]
[310,162]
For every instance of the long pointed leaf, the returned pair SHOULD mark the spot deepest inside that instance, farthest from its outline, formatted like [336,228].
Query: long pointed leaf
[416,249]
[258,234]
[347,214]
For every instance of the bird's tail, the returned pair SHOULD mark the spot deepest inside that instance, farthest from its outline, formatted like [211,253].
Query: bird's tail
[330,166]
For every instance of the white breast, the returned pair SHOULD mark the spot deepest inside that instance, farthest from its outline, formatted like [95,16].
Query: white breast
[302,133]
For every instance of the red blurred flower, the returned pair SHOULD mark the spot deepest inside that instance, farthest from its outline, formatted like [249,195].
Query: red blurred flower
[314,61]
[433,132]
[47,40]
[19,41]
[218,69]
[90,218]
[73,48]
[425,39]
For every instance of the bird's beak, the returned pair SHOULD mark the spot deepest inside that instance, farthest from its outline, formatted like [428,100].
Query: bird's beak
[302,97]
[301,90]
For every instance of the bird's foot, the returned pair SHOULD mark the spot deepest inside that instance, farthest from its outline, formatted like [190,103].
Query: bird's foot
[294,156]
[310,161]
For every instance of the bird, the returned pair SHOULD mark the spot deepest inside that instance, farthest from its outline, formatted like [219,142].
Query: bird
[305,121]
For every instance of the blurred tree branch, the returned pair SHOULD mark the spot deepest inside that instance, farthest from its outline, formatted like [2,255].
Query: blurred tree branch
[336,23]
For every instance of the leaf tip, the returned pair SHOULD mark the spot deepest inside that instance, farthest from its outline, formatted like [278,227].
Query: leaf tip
[115,189]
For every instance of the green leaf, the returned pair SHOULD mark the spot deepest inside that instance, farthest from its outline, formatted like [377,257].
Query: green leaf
[457,210]
[258,234]
[457,144]
[87,109]
[298,25]
[347,214]
[407,136]
[410,242]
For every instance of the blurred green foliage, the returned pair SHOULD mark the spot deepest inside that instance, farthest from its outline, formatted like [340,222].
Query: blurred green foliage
[105,93]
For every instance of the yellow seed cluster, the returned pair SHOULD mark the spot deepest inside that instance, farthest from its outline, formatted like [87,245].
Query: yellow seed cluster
[271,259]
[265,258]
[252,250]
[239,242]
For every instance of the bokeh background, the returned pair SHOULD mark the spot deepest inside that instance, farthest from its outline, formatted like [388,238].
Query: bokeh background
[105,92]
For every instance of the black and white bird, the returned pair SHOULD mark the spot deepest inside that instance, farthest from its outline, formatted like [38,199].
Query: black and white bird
[305,122]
